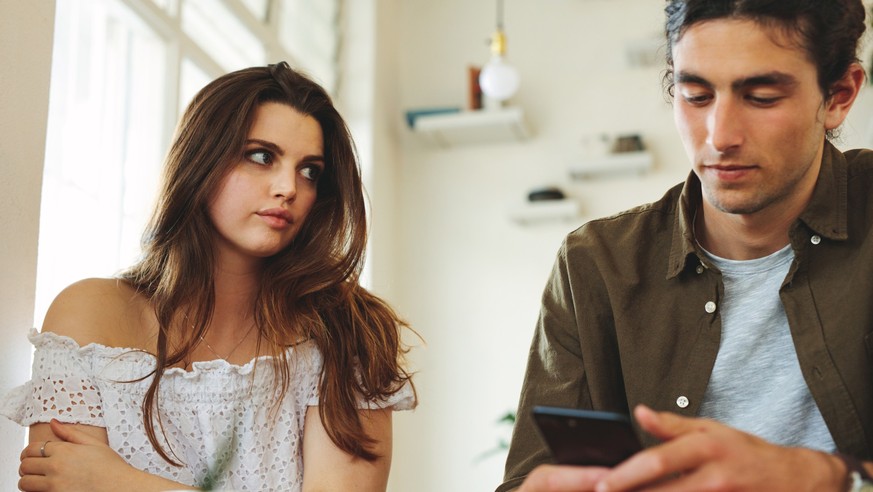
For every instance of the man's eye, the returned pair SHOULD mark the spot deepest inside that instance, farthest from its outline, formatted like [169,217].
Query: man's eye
[260,157]
[697,100]
[763,101]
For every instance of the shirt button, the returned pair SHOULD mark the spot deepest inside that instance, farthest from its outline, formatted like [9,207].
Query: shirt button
[699,269]
[682,402]
[815,239]
[710,307]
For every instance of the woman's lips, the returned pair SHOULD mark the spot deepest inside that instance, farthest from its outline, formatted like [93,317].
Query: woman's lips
[276,217]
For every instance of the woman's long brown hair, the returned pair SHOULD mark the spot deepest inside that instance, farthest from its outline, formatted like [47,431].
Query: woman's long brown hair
[310,289]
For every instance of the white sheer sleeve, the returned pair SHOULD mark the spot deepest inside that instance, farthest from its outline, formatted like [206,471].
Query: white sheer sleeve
[403,399]
[61,386]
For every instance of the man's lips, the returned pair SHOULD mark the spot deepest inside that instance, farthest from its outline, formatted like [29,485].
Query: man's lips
[729,171]
[728,167]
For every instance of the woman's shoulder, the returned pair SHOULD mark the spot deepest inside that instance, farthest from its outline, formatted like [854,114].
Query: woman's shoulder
[106,311]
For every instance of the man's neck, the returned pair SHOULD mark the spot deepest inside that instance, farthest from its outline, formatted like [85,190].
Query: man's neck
[744,237]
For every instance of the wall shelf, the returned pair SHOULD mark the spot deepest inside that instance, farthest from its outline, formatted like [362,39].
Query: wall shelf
[528,213]
[468,127]
[618,163]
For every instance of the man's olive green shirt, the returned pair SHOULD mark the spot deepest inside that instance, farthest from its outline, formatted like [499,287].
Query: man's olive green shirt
[630,313]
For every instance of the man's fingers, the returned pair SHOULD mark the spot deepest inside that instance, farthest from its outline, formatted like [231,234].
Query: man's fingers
[666,425]
[552,478]
[658,463]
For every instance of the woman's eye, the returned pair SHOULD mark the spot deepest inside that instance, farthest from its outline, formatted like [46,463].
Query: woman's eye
[260,157]
[311,173]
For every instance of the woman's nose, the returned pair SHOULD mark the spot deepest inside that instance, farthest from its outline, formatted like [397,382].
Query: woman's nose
[284,185]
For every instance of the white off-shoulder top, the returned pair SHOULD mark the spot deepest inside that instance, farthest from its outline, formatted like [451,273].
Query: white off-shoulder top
[213,412]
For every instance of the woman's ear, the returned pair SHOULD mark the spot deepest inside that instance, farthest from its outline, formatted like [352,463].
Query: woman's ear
[843,94]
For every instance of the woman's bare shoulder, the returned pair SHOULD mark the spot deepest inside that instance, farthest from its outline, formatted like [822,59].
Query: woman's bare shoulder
[106,311]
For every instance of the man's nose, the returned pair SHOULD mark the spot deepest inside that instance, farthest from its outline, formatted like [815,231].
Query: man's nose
[724,126]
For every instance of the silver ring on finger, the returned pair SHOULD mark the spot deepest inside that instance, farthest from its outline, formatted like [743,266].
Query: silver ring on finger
[42,449]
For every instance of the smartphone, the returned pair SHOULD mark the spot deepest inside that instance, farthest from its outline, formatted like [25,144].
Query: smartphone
[586,437]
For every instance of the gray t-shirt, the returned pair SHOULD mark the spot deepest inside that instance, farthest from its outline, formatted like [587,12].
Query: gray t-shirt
[756,384]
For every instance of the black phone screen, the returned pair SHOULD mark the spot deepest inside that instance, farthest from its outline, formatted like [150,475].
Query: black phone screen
[586,437]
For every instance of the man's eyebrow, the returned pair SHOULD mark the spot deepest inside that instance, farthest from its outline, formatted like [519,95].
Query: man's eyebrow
[770,78]
[269,145]
[690,78]
[764,79]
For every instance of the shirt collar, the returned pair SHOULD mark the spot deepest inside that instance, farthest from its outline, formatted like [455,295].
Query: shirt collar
[683,244]
[824,215]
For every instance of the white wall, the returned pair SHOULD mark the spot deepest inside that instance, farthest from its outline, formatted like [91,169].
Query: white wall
[366,92]
[25,47]
[469,279]
[367,95]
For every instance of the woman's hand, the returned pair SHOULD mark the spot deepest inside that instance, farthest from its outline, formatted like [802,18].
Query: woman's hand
[80,462]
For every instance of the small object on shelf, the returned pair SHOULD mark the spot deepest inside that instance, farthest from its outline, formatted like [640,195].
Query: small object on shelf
[547,193]
[611,164]
[627,143]
[467,127]
[413,114]
[474,90]
[645,52]
[532,212]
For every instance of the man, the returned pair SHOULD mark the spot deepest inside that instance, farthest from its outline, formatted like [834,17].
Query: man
[734,317]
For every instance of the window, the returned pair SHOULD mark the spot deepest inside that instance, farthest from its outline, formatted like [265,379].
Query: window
[122,72]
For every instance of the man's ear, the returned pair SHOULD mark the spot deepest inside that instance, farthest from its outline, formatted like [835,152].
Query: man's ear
[843,94]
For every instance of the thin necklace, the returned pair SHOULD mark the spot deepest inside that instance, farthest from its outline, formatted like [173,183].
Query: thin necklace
[232,350]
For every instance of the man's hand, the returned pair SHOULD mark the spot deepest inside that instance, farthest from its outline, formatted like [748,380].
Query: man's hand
[699,455]
[554,478]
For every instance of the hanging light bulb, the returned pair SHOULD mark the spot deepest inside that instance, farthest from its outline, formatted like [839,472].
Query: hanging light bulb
[498,79]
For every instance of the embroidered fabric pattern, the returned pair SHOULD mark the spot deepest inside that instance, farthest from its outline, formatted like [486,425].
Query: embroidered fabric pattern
[211,408]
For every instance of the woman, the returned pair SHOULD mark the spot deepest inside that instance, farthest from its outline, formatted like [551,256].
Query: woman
[240,351]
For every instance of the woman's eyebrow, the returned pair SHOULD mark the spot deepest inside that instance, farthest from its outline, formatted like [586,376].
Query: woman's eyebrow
[269,145]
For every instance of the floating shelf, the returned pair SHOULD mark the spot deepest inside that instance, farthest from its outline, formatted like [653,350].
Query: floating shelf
[468,127]
[546,210]
[618,163]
